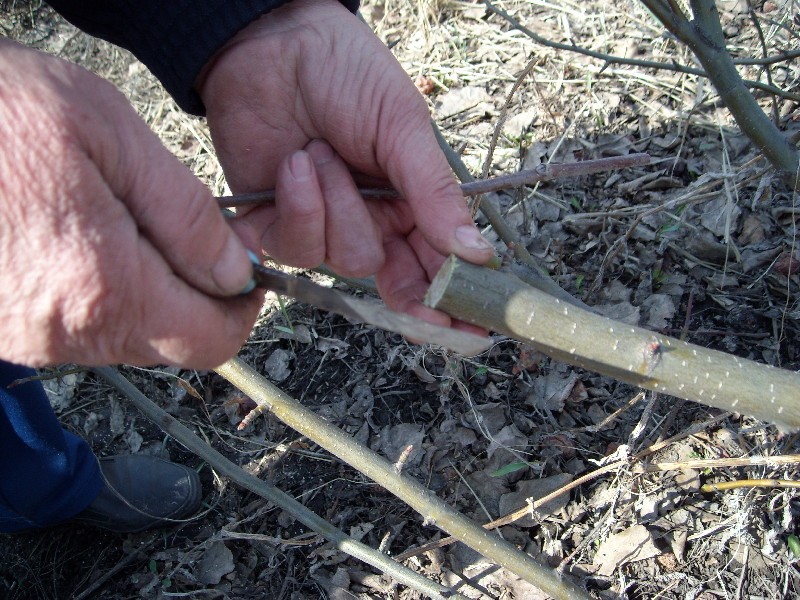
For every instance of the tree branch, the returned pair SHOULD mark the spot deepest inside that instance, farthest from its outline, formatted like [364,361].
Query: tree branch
[382,472]
[648,64]
[499,301]
[184,436]
[705,38]
[538,276]
[372,313]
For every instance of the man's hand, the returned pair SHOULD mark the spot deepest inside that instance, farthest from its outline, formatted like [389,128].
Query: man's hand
[110,249]
[309,101]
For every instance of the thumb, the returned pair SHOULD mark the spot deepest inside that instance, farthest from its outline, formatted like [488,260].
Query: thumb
[176,212]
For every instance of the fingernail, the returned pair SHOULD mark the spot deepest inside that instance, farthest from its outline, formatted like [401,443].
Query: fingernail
[251,285]
[233,268]
[470,237]
[321,152]
[300,166]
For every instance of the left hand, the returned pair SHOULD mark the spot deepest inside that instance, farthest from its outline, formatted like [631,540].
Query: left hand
[308,101]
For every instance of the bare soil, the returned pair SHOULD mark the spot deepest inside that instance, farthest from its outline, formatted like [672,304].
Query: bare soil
[701,245]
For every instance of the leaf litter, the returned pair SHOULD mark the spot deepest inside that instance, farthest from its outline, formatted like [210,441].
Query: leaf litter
[493,433]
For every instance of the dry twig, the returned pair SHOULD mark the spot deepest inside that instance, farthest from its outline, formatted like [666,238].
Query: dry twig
[434,510]
[544,172]
[226,468]
[652,64]
[746,483]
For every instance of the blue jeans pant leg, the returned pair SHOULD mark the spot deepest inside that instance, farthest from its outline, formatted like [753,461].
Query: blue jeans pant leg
[47,474]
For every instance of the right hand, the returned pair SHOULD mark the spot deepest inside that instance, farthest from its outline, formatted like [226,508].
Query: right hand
[307,100]
[110,249]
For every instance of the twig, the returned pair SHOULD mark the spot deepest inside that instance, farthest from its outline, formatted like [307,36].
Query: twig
[743,483]
[226,468]
[487,164]
[651,64]
[138,554]
[539,278]
[47,376]
[532,506]
[434,510]
[476,187]
[638,431]
[708,463]
[372,313]
[704,36]
[767,71]
[610,418]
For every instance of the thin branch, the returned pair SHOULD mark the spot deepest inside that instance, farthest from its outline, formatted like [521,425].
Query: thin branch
[372,313]
[767,71]
[476,187]
[434,510]
[704,36]
[649,64]
[538,277]
[498,128]
[531,507]
[226,468]
[706,463]
[742,483]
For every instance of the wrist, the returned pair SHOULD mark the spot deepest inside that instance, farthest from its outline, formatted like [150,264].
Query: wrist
[289,17]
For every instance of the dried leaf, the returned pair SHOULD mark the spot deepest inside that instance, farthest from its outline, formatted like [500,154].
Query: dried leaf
[277,365]
[551,391]
[216,562]
[660,311]
[188,388]
[336,347]
[631,545]
[720,217]
[133,439]
[237,408]
[117,419]
[535,489]
[470,99]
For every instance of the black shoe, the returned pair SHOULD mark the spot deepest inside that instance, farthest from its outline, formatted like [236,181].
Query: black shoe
[142,492]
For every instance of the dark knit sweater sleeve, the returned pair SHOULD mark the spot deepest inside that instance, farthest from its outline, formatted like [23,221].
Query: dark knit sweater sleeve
[174,38]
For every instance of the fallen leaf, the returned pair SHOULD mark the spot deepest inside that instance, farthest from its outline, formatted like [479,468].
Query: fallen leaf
[720,216]
[509,437]
[188,388]
[551,391]
[535,489]
[117,419]
[787,264]
[216,562]
[660,310]
[237,408]
[277,365]
[335,347]
[394,441]
[470,99]
[133,439]
[630,545]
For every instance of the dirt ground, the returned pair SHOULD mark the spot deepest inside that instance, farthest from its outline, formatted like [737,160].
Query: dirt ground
[701,245]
